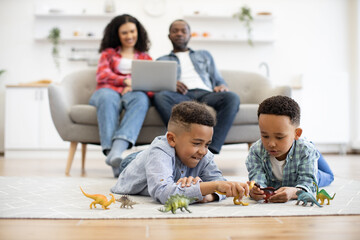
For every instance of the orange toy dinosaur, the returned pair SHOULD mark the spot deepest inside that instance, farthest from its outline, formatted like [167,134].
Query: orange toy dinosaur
[99,199]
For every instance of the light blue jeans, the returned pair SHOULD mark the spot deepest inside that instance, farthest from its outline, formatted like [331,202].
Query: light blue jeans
[109,105]
[324,176]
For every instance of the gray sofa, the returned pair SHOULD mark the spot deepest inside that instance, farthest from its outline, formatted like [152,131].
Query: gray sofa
[76,121]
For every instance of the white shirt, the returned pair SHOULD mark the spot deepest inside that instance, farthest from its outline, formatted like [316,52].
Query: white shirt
[125,65]
[277,167]
[188,74]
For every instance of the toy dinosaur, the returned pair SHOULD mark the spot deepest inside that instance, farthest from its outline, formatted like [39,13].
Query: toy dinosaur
[177,201]
[99,199]
[268,191]
[126,202]
[322,195]
[236,199]
[306,197]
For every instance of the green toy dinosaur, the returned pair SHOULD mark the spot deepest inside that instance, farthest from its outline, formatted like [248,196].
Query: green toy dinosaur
[177,201]
[322,195]
[306,197]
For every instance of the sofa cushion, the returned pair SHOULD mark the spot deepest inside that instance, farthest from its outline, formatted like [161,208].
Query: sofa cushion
[86,114]
[83,114]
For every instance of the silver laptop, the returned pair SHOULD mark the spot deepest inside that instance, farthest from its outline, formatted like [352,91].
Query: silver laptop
[153,75]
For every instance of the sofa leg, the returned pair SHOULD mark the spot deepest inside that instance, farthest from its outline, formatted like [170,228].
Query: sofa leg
[71,155]
[249,145]
[83,156]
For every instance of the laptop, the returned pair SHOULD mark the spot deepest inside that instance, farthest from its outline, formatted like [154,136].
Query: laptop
[153,76]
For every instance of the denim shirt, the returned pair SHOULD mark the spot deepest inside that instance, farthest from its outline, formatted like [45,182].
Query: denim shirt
[300,169]
[204,65]
[156,170]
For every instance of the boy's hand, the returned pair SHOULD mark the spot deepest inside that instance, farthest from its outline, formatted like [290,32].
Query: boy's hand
[209,198]
[233,189]
[256,193]
[187,181]
[284,194]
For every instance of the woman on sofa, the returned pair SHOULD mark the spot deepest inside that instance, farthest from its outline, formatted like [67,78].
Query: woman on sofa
[124,39]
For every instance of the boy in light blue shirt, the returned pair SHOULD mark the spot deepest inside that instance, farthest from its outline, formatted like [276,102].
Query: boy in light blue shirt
[281,159]
[179,162]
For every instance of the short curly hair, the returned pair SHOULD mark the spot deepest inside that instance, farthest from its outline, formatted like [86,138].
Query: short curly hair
[281,105]
[111,34]
[191,112]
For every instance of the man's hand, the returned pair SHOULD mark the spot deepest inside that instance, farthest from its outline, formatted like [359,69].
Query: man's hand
[181,88]
[221,88]
[284,194]
[187,181]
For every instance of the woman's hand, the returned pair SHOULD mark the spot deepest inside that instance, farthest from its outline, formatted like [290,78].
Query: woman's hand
[125,90]
[127,82]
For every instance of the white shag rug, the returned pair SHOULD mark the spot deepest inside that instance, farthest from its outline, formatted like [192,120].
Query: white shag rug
[61,198]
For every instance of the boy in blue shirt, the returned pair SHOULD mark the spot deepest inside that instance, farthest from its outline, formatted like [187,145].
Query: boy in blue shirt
[281,159]
[179,162]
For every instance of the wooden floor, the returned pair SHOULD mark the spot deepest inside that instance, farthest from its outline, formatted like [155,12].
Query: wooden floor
[315,227]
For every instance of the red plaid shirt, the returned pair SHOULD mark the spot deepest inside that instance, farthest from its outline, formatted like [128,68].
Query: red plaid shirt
[108,75]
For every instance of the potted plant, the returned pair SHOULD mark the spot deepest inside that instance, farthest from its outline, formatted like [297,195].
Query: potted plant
[244,15]
[54,37]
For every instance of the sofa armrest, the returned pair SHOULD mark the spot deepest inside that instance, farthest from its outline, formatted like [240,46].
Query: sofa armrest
[60,106]
[281,90]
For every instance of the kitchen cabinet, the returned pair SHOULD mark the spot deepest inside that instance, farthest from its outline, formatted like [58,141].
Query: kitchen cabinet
[28,123]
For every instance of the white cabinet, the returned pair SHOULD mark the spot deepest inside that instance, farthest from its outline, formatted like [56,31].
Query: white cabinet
[325,111]
[28,123]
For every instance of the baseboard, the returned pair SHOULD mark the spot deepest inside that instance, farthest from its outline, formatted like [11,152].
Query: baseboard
[95,151]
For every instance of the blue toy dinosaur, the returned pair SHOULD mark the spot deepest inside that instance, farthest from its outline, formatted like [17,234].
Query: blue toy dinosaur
[306,197]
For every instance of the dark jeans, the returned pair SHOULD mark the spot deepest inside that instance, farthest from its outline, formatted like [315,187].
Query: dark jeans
[226,105]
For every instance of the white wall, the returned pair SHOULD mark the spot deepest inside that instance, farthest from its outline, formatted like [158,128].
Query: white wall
[312,37]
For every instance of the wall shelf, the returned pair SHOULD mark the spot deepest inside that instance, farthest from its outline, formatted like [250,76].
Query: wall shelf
[74,15]
[225,17]
[228,40]
[224,29]
[71,39]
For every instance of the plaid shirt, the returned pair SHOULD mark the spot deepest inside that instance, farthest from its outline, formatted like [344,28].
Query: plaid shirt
[108,75]
[299,171]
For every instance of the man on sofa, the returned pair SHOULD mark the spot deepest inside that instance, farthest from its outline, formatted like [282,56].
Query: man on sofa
[198,79]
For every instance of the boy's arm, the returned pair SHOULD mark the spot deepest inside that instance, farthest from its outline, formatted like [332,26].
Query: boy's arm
[232,189]
[255,167]
[307,170]
[160,179]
